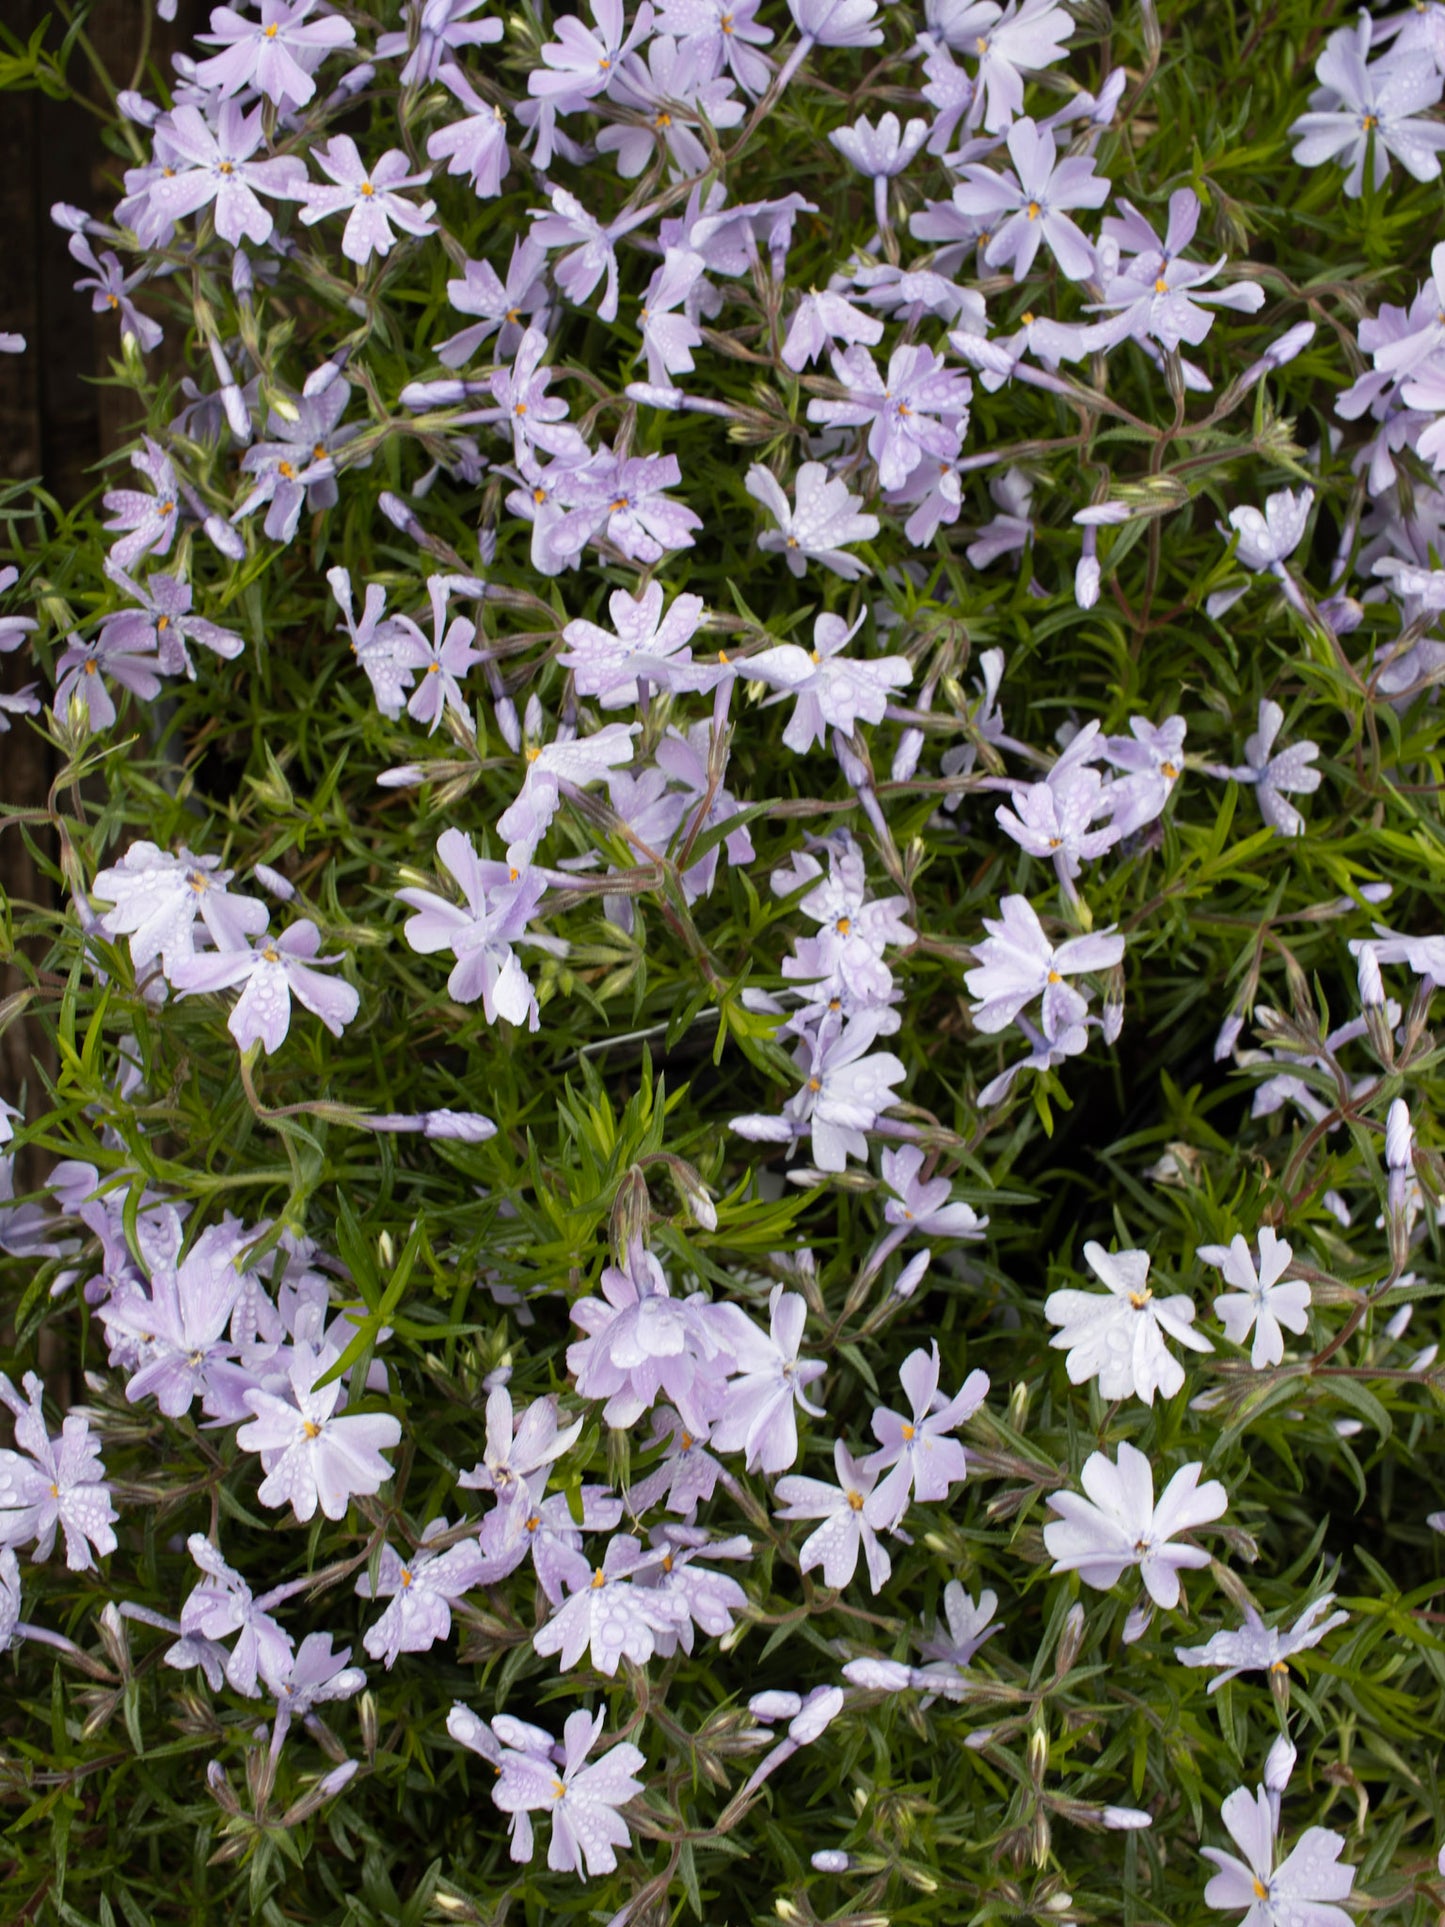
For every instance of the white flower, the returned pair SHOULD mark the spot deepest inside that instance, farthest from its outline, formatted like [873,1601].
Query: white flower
[1259,1300]
[1119,1525]
[1272,772]
[582,1800]
[1267,539]
[610,1614]
[1257,1648]
[1294,1894]
[836,1543]
[1119,1339]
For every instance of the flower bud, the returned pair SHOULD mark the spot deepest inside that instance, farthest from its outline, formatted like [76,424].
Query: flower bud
[831,1860]
[1071,1639]
[1279,1764]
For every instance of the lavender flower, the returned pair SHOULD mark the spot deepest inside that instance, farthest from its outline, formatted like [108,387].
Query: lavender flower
[916,1454]
[111,289]
[818,321]
[1118,1525]
[421,1589]
[315,1676]
[1259,1301]
[1272,774]
[610,1615]
[216,165]
[503,304]
[298,465]
[221,1604]
[1257,1648]
[499,904]
[156,898]
[828,691]
[372,196]
[310,1453]
[1157,293]
[274,970]
[582,1800]
[1025,209]
[475,144]
[53,1482]
[825,520]
[1008,41]
[845,1530]
[757,1415]
[275,54]
[1119,1338]
[644,646]
[590,246]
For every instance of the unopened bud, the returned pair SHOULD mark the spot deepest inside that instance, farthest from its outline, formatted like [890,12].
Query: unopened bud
[631,1213]
[1038,1755]
[1071,1640]
[366,1712]
[1279,1764]
[219,1788]
[1018,1406]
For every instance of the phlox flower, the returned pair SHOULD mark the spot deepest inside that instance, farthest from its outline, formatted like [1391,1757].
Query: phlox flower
[297,464]
[178,1331]
[150,519]
[82,670]
[1025,206]
[808,1717]
[508,304]
[384,649]
[519,1448]
[643,646]
[52,1483]
[1160,296]
[668,87]
[1299,1892]
[688,1474]
[275,54]
[164,622]
[1260,1302]
[610,1615]
[643,1343]
[818,321]
[918,409]
[215,164]
[880,153]
[1118,1525]
[829,690]
[1119,1337]
[315,1676]
[421,1588]
[706,1598]
[441,661]
[1358,102]
[1257,1648]
[13,629]
[1016,963]
[1007,41]
[220,1604]
[499,901]
[1273,772]
[834,23]
[546,1530]
[273,971]
[155,898]
[582,1800]
[721,34]
[825,520]
[372,196]
[590,247]
[847,1086]
[310,1453]
[1270,539]
[582,61]
[1051,819]
[1152,759]
[475,143]
[435,29]
[569,759]
[950,1648]
[845,1530]
[757,1414]
[111,288]
[915,1453]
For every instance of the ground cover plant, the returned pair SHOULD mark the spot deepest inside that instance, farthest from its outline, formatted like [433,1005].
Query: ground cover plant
[741,1200]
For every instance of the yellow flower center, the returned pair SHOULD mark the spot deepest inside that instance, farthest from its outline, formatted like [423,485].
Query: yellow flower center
[855,1500]
[1261,1892]
[367,189]
[272,31]
[405,1577]
[1139,1299]
[1055,977]
[599,1578]
[1161,286]
[1034,210]
[1169,770]
[907,1433]
[311,1429]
